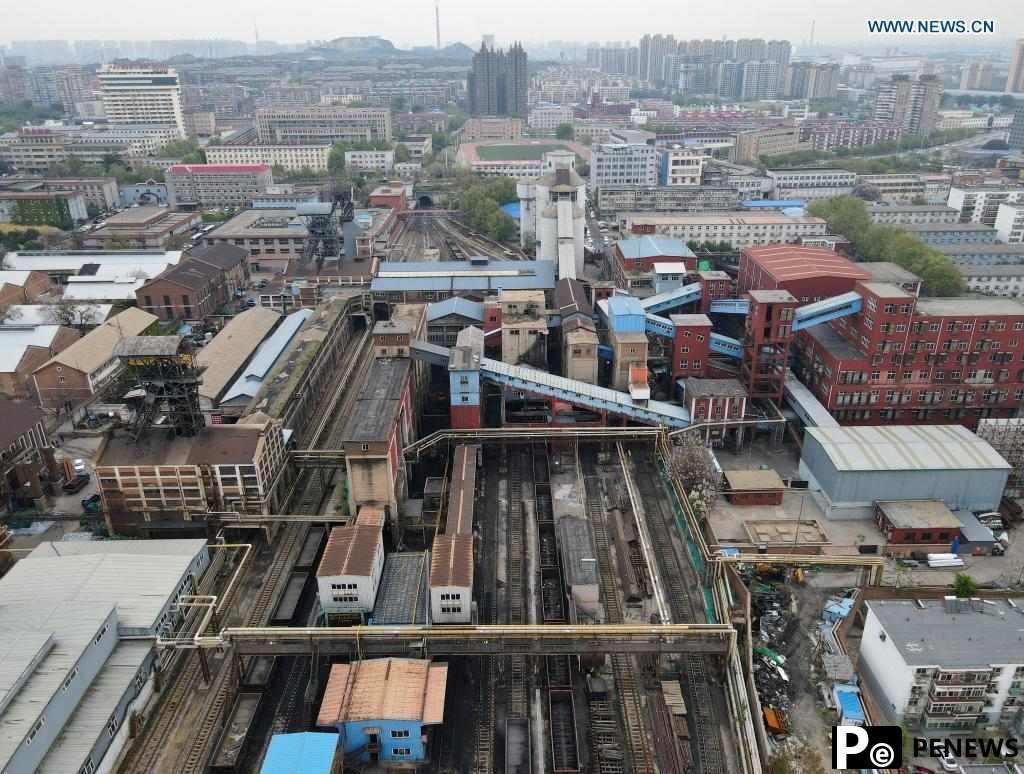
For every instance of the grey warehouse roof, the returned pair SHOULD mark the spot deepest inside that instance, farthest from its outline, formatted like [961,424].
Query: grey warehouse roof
[910,447]
[967,638]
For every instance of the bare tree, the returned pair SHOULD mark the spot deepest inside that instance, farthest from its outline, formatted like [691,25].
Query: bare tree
[693,464]
[9,313]
[72,314]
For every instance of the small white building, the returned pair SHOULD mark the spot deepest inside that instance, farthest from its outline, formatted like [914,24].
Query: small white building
[349,573]
[370,160]
[552,211]
[451,579]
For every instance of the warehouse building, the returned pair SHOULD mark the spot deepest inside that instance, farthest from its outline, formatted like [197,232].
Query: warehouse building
[77,627]
[849,469]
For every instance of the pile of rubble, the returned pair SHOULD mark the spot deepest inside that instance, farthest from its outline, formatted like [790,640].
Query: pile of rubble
[775,620]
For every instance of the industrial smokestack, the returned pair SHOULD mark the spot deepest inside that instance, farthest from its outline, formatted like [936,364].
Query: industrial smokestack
[437,21]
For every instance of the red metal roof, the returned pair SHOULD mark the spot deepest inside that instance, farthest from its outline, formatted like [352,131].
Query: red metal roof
[793,262]
[200,169]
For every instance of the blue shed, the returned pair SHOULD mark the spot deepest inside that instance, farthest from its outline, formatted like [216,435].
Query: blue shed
[305,753]
[851,711]
[627,315]
[382,707]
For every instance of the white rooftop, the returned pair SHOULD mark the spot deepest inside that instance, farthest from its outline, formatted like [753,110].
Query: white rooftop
[907,447]
[38,314]
[102,288]
[74,260]
[15,340]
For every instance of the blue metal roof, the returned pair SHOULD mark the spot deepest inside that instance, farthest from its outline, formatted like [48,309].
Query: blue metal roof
[652,247]
[512,208]
[304,753]
[266,355]
[463,275]
[624,305]
[455,305]
[848,699]
[772,203]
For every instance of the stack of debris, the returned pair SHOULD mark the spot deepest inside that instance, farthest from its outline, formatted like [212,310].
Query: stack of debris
[672,690]
[772,609]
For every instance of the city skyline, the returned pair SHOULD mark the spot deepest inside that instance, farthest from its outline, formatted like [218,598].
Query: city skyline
[411,22]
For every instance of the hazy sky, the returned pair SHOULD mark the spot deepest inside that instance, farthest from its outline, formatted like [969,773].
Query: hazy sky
[411,22]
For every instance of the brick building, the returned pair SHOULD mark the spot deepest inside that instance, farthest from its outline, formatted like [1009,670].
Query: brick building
[904,359]
[189,291]
[200,186]
[634,261]
[22,287]
[87,366]
[916,526]
[809,273]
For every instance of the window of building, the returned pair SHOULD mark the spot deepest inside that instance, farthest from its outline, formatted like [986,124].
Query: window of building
[401,752]
[69,679]
[400,733]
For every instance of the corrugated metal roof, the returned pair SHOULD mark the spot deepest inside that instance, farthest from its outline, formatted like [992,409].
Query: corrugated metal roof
[350,551]
[463,491]
[230,348]
[384,689]
[91,716]
[267,353]
[451,561]
[792,262]
[96,347]
[125,261]
[473,310]
[909,447]
[652,247]
[304,753]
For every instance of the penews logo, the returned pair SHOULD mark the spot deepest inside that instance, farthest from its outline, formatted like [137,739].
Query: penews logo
[868,747]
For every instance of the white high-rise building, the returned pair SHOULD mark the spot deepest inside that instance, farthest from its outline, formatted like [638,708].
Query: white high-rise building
[142,94]
[553,212]
[623,164]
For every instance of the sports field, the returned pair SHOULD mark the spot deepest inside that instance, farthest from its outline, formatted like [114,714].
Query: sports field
[515,152]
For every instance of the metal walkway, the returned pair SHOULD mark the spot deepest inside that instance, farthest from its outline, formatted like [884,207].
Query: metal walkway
[670,299]
[429,353]
[583,394]
[810,410]
[825,310]
[660,326]
[725,345]
[730,306]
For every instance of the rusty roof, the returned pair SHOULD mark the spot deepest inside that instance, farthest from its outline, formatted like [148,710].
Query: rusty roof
[350,551]
[451,561]
[384,689]
[793,262]
[463,491]
[370,516]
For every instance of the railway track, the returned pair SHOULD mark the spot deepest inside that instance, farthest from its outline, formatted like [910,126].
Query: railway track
[685,597]
[623,667]
[145,756]
[517,698]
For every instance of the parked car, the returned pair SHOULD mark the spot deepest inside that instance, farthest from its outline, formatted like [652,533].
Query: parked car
[949,763]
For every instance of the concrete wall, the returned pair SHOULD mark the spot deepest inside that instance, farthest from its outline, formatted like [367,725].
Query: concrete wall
[465,603]
[883,667]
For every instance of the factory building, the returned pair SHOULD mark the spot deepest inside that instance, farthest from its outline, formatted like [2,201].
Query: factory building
[950,665]
[384,419]
[849,469]
[383,708]
[464,378]
[579,334]
[635,262]
[628,338]
[809,273]
[451,562]
[78,621]
[524,328]
[350,569]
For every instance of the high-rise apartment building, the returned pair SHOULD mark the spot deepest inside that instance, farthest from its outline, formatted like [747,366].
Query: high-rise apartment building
[805,80]
[912,105]
[977,74]
[498,82]
[1015,76]
[74,85]
[1016,137]
[760,80]
[142,94]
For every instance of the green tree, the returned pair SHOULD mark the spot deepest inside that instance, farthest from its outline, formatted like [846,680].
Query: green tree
[336,158]
[964,585]
[565,132]
[398,104]
[918,200]
[402,153]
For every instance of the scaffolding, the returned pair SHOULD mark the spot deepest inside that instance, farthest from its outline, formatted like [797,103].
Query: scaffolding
[1007,437]
[166,384]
